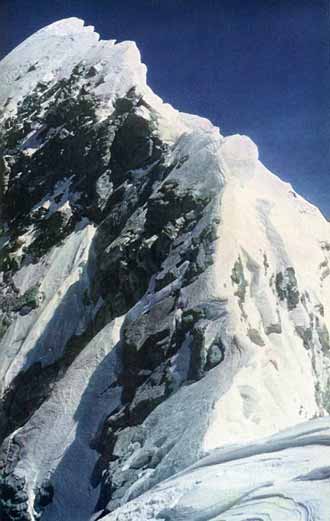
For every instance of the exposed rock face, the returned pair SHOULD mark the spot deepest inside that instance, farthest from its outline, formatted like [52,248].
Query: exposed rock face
[162,294]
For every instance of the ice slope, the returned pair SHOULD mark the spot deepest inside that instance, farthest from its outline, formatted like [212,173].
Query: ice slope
[162,295]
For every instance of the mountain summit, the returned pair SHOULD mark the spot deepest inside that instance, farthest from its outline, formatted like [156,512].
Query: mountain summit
[164,304]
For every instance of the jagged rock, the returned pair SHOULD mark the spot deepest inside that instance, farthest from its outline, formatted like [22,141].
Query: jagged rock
[255,336]
[215,355]
[286,286]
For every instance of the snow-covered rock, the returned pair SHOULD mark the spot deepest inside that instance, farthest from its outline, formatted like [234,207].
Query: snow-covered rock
[162,296]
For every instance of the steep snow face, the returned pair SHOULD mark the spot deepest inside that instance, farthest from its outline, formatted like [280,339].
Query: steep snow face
[162,295]
[273,253]
[61,284]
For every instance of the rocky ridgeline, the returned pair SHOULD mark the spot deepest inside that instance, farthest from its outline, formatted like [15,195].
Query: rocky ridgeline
[134,303]
[114,173]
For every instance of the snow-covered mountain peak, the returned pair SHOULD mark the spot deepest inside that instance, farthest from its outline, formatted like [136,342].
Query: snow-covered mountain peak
[162,294]
[66,27]
[51,54]
[112,69]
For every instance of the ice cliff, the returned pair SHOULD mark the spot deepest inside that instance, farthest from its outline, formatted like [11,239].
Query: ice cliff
[164,303]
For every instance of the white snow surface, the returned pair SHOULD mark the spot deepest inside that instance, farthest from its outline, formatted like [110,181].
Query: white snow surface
[281,478]
[261,215]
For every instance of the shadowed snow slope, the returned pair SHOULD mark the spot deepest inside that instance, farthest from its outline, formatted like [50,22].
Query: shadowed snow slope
[163,296]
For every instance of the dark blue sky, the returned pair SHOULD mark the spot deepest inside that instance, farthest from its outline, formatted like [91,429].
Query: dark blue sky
[258,67]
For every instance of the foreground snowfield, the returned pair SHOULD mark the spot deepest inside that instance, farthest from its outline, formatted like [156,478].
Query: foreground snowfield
[163,297]
[283,478]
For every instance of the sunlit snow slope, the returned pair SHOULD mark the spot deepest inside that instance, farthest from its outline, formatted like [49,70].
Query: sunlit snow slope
[162,296]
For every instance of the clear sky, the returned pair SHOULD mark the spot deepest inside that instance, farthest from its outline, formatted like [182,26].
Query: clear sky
[255,67]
